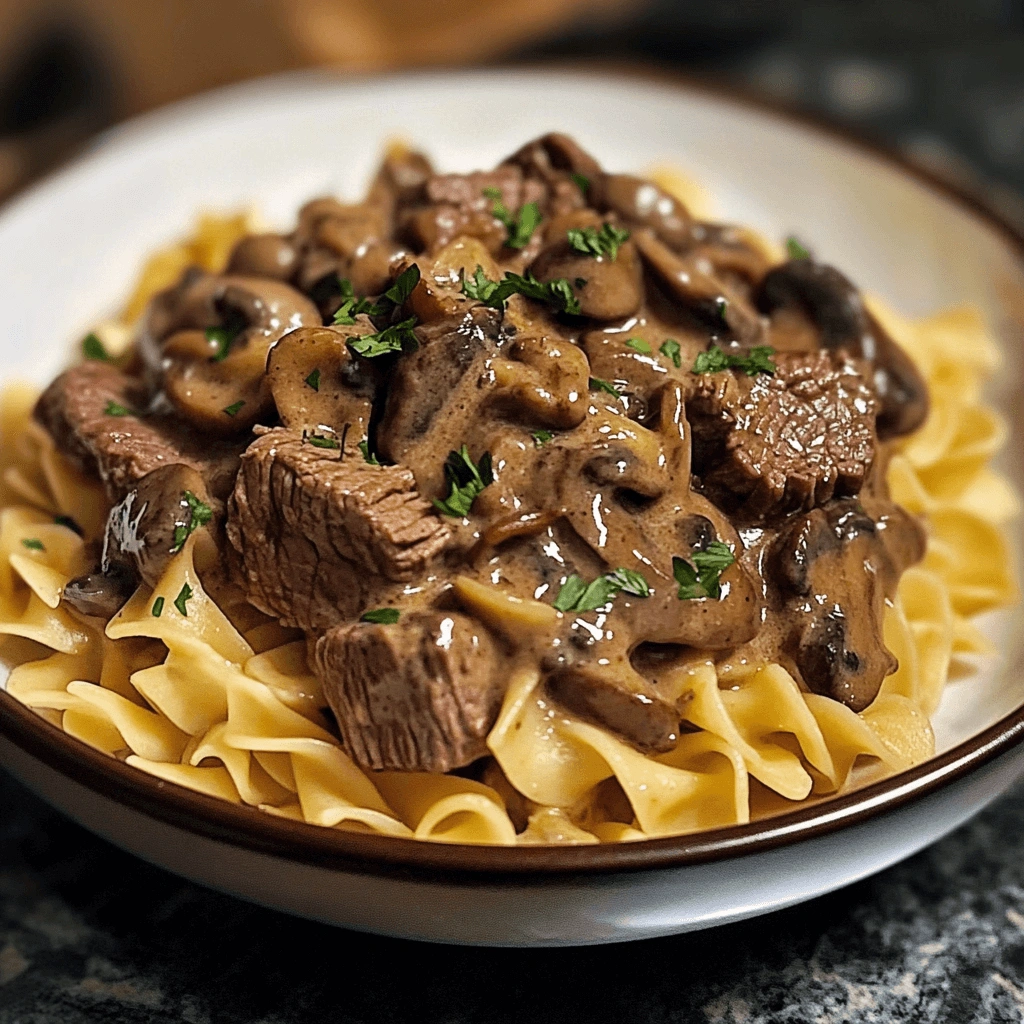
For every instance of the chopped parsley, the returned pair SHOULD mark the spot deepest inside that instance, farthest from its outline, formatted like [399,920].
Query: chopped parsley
[701,579]
[466,479]
[521,227]
[313,380]
[368,456]
[222,338]
[638,345]
[198,514]
[113,408]
[70,524]
[234,408]
[382,616]
[93,348]
[557,293]
[184,596]
[577,596]
[541,437]
[796,250]
[670,350]
[722,307]
[320,442]
[581,181]
[391,339]
[596,384]
[351,307]
[33,544]
[757,360]
[403,286]
[598,242]
[158,607]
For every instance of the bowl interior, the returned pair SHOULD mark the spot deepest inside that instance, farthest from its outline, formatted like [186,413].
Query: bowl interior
[69,249]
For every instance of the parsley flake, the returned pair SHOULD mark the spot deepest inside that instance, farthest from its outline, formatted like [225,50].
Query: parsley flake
[557,293]
[197,514]
[391,339]
[598,242]
[158,607]
[181,601]
[234,408]
[368,456]
[113,408]
[581,181]
[541,437]
[93,348]
[796,250]
[670,350]
[722,307]
[320,442]
[701,579]
[33,544]
[596,384]
[521,227]
[313,380]
[638,345]
[466,479]
[757,360]
[222,338]
[70,524]
[577,596]
[403,286]
[382,616]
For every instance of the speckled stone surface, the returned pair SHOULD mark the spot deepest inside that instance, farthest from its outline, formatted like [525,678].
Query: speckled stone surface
[88,933]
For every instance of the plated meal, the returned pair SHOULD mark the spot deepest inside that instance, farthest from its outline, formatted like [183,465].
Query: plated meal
[517,506]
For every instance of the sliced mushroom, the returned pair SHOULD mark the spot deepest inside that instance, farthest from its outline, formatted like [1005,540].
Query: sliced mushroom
[151,524]
[264,256]
[642,204]
[834,306]
[101,594]
[555,155]
[707,299]
[316,382]
[205,343]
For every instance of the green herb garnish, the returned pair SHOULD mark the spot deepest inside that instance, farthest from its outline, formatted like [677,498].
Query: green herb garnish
[391,339]
[368,456]
[598,242]
[638,345]
[701,579]
[184,596]
[313,380]
[557,293]
[158,607]
[198,514]
[722,307]
[581,181]
[596,384]
[757,360]
[670,350]
[113,408]
[404,284]
[382,616]
[70,524]
[466,479]
[93,348]
[222,338]
[320,442]
[577,596]
[541,437]
[234,408]
[33,544]
[796,249]
[521,227]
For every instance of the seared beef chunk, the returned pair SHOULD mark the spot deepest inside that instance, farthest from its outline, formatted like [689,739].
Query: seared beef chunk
[97,416]
[835,567]
[319,533]
[766,445]
[837,310]
[417,695]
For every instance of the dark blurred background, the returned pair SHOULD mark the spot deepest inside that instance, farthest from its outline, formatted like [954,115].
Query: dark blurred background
[942,80]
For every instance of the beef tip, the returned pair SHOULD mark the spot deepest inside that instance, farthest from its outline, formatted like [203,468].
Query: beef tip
[317,529]
[419,695]
[556,156]
[625,703]
[765,445]
[82,410]
[834,568]
[834,306]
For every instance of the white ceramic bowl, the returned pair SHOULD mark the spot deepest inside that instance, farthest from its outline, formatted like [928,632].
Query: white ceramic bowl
[69,250]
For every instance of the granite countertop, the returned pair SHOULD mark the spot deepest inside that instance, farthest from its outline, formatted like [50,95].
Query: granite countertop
[89,933]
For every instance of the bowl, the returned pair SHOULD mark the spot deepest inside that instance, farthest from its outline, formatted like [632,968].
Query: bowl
[69,251]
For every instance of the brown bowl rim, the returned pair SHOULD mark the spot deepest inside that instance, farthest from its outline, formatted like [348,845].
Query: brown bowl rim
[248,828]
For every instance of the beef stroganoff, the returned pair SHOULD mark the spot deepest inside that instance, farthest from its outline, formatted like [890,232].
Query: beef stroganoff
[519,506]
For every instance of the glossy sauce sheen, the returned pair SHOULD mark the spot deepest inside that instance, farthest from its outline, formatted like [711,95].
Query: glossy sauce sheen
[607,451]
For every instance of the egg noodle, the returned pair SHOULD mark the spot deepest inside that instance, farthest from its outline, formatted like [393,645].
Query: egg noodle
[220,700]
